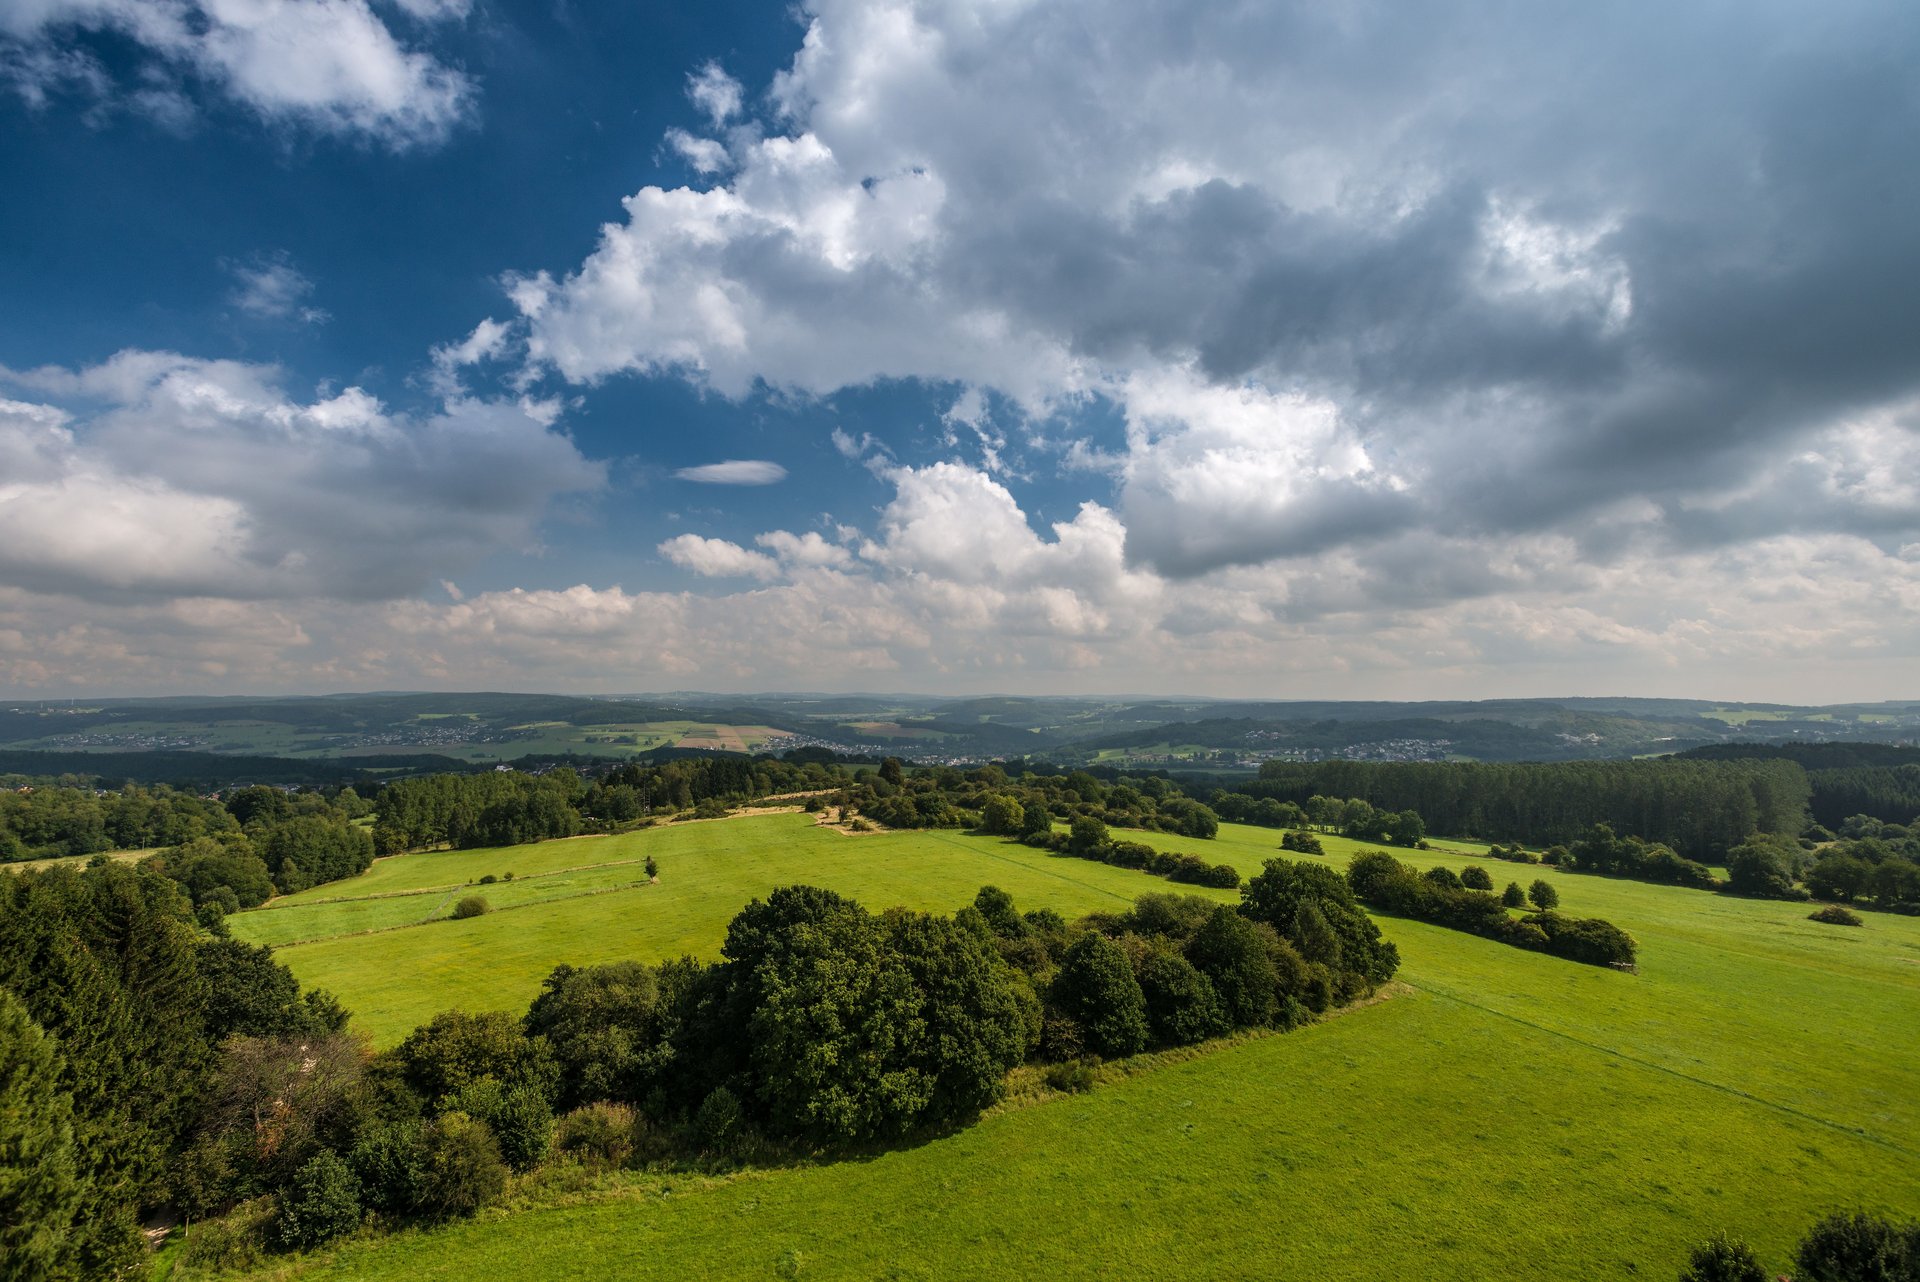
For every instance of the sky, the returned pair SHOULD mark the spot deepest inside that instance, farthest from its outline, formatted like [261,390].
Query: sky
[1278,350]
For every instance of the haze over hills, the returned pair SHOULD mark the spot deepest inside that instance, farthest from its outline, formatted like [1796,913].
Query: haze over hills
[452,730]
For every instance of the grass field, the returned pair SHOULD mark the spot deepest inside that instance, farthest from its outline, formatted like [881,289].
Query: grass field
[1512,1116]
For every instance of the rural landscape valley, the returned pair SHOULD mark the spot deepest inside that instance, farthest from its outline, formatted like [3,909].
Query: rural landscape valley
[862,640]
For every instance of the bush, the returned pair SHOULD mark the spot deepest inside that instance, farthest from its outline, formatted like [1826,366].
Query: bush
[1835,915]
[599,1134]
[1513,896]
[1859,1248]
[471,906]
[1440,875]
[1074,1077]
[386,1162]
[1586,939]
[519,1117]
[488,880]
[1476,878]
[718,1122]
[460,1167]
[229,1245]
[322,1203]
[1723,1259]
[1302,843]
[1543,895]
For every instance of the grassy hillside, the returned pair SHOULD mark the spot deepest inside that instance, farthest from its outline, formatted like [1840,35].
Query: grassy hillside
[1514,1115]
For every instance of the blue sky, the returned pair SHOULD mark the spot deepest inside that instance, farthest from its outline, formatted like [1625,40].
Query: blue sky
[1078,347]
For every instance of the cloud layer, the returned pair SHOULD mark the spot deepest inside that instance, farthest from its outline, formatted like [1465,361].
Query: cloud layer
[154,475]
[330,65]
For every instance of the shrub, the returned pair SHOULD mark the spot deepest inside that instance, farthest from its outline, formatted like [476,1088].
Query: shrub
[519,1117]
[599,1134]
[1723,1259]
[652,867]
[1859,1248]
[229,1245]
[1075,1076]
[1543,895]
[488,880]
[1476,878]
[460,1167]
[386,1162]
[1440,875]
[718,1121]
[1835,915]
[471,906]
[1302,843]
[322,1203]
[1513,896]
[1086,835]
[1586,939]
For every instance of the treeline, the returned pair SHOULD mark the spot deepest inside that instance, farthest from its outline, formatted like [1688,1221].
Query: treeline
[508,807]
[1880,780]
[1700,808]
[1440,897]
[45,822]
[823,1026]
[1350,817]
[945,797]
[126,1032]
[278,844]
[1088,838]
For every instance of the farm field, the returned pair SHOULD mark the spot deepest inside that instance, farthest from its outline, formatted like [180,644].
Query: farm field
[1511,1115]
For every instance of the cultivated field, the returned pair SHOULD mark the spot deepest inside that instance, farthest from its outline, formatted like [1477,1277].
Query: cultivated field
[1513,1115]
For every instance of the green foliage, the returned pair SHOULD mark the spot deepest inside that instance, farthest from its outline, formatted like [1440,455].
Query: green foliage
[1003,816]
[1543,896]
[1763,867]
[1513,896]
[1275,896]
[40,1185]
[471,906]
[1313,936]
[1858,1247]
[719,1121]
[1229,951]
[456,1049]
[1723,1259]
[519,1117]
[606,1025]
[322,1203]
[1182,1005]
[1302,842]
[460,1169]
[386,1160]
[1700,808]
[1835,915]
[1086,835]
[1476,878]
[1096,989]
[600,1134]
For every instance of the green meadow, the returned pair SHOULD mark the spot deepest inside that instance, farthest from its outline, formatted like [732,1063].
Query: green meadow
[1507,1115]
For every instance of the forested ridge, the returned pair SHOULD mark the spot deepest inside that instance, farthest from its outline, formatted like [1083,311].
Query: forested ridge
[1700,808]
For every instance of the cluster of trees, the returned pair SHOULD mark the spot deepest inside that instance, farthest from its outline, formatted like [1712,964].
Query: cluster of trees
[1842,1247]
[1601,851]
[990,799]
[1697,807]
[1088,838]
[1350,817]
[823,1025]
[637,790]
[1440,897]
[497,808]
[38,822]
[276,843]
[117,1015]
[1877,779]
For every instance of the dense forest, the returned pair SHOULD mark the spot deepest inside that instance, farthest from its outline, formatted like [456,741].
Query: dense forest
[1700,808]
[1876,779]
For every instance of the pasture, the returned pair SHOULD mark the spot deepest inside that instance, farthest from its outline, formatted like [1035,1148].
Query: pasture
[1512,1115]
